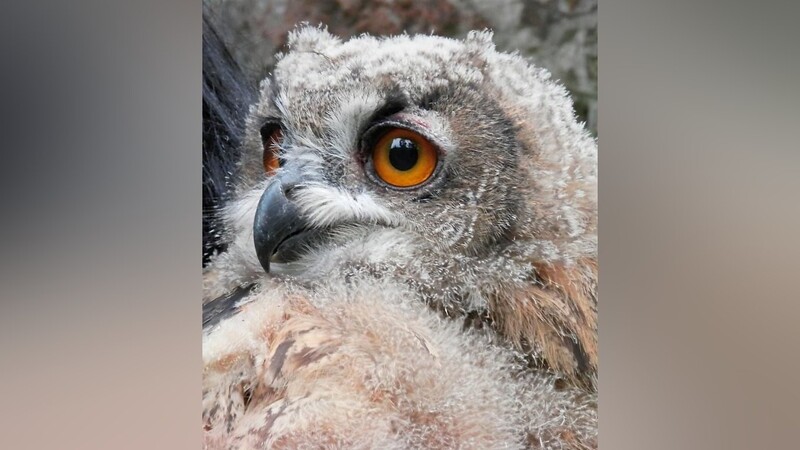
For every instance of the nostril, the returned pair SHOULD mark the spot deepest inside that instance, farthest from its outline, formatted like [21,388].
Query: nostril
[290,181]
[290,189]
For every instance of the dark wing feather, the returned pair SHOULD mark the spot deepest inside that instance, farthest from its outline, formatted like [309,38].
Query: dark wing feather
[227,95]
[223,307]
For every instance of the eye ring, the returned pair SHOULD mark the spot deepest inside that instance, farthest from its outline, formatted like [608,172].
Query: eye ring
[271,138]
[403,158]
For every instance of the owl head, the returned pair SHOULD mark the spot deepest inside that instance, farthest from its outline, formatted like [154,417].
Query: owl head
[439,163]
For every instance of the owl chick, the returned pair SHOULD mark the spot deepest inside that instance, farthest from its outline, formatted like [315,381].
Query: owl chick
[410,255]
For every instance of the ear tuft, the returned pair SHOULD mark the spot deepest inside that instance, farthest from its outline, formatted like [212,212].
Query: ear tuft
[480,40]
[311,39]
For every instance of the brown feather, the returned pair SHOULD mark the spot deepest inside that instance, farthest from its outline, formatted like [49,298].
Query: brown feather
[556,315]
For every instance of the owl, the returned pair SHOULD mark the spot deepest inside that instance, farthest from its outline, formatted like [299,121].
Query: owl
[407,252]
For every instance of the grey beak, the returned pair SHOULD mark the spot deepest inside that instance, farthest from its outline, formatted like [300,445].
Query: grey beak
[277,218]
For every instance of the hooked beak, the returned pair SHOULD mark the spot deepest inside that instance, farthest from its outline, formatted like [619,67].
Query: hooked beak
[277,218]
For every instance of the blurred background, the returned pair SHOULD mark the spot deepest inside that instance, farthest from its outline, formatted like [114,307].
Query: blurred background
[559,35]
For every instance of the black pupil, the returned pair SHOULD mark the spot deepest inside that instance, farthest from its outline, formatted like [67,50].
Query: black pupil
[403,153]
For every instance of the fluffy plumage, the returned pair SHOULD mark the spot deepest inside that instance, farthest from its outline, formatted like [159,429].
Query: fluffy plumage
[461,313]
[365,365]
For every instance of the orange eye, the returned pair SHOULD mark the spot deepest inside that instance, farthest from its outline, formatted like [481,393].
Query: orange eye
[271,151]
[403,158]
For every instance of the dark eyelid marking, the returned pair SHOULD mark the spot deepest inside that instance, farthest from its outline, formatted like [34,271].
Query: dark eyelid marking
[394,104]
[270,125]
